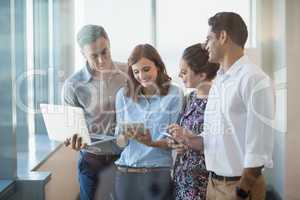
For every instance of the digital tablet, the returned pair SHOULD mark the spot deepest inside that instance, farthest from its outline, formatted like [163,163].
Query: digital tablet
[132,126]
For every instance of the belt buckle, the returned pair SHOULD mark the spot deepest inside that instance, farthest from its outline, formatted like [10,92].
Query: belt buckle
[123,169]
[140,170]
[145,170]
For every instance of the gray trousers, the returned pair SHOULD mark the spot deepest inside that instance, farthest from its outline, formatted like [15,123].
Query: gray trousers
[144,186]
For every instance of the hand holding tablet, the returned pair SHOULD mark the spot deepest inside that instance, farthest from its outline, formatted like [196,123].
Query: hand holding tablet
[138,132]
[131,129]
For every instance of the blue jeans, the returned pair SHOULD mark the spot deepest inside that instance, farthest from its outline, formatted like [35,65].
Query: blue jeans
[144,186]
[89,171]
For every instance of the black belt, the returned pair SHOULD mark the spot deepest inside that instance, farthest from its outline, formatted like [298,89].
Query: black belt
[224,178]
[103,159]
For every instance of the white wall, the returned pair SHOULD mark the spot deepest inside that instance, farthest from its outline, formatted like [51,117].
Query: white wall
[183,23]
[64,180]
[292,42]
[271,57]
[179,24]
[279,47]
[275,34]
[127,23]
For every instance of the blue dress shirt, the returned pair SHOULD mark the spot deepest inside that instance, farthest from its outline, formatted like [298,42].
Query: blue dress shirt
[157,113]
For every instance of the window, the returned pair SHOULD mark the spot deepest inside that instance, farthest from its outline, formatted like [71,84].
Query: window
[178,25]
[29,72]
[127,23]
[181,24]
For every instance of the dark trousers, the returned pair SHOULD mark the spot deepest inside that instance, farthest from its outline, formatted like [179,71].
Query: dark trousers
[90,170]
[144,186]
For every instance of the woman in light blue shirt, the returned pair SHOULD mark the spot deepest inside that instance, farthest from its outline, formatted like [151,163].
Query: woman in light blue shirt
[149,98]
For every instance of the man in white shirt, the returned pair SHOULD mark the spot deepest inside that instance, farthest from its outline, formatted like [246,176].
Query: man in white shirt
[237,137]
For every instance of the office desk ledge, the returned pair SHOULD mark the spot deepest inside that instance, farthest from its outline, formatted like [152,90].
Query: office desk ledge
[39,150]
[7,189]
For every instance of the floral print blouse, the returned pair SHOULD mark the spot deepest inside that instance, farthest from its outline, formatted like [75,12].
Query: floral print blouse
[190,175]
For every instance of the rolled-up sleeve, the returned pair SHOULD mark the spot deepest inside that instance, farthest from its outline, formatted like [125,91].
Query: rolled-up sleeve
[175,106]
[258,95]
[169,111]
[68,96]
[120,106]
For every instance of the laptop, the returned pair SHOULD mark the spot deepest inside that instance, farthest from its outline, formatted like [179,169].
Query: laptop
[63,122]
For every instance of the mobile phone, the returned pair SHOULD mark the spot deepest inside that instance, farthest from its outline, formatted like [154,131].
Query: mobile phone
[169,136]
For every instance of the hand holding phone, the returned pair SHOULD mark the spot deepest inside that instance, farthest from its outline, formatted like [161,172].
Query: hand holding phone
[178,147]
[179,133]
[169,137]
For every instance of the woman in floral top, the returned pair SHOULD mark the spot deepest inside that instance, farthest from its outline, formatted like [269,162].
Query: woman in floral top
[190,175]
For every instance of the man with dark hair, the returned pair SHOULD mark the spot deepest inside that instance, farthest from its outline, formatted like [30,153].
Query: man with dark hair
[93,88]
[233,24]
[237,136]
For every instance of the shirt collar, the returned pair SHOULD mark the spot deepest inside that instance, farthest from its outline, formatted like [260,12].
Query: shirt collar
[155,96]
[235,67]
[87,73]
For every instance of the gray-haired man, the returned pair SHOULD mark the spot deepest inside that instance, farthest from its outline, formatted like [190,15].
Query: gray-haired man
[93,89]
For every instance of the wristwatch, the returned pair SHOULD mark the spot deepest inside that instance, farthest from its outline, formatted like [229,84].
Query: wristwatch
[241,193]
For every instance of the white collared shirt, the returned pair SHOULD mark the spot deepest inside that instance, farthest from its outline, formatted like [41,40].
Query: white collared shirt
[238,120]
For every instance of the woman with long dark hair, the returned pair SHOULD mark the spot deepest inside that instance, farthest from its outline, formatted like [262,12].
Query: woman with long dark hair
[190,175]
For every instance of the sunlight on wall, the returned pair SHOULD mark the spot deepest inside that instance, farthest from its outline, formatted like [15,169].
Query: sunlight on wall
[126,22]
[179,24]
[30,65]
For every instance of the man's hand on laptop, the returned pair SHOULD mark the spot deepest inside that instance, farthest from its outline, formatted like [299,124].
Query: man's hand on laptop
[75,142]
